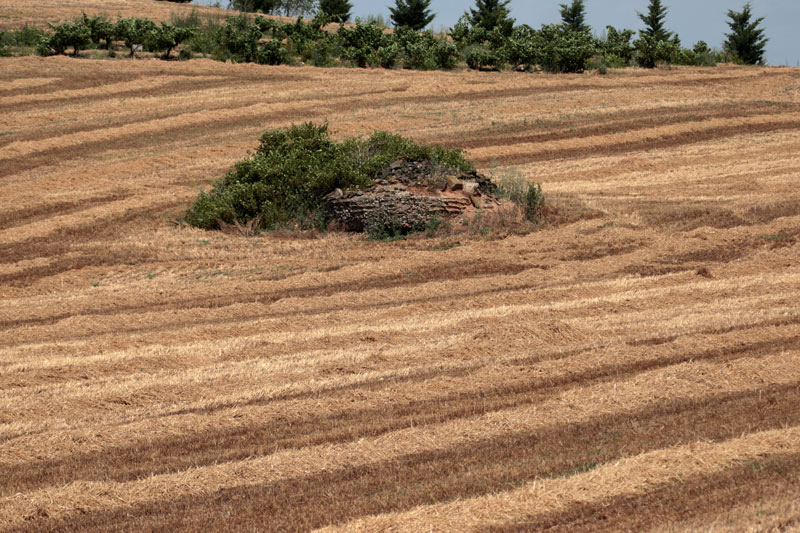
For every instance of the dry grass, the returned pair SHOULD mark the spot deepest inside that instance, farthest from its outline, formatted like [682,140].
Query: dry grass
[632,366]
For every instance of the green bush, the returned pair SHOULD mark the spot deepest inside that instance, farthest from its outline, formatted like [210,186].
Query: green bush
[100,29]
[388,54]
[528,196]
[27,36]
[168,37]
[599,64]
[617,48]
[272,53]
[292,170]
[521,48]
[483,57]
[66,35]
[238,40]
[360,42]
[564,50]
[302,37]
[134,32]
[651,51]
[615,61]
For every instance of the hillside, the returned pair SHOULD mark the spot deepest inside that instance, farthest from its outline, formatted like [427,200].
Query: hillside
[14,15]
[634,365]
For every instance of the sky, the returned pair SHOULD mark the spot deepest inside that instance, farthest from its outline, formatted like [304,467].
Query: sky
[693,20]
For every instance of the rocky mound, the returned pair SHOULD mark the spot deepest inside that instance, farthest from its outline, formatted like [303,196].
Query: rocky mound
[408,194]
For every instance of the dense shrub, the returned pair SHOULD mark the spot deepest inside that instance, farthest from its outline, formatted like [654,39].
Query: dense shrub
[483,57]
[285,181]
[272,53]
[617,49]
[483,38]
[388,54]
[522,48]
[27,36]
[528,196]
[238,40]
[66,35]
[360,42]
[301,36]
[134,32]
[424,51]
[565,50]
[168,37]
[651,51]
[100,29]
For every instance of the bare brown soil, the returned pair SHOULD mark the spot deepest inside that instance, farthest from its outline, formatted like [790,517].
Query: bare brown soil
[633,365]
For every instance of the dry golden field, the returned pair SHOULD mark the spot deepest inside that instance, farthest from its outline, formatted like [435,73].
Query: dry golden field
[635,365]
[14,14]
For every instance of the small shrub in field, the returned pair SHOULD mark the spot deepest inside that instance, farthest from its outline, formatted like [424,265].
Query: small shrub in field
[238,39]
[206,40]
[614,61]
[73,35]
[482,57]
[302,37]
[424,51]
[445,54]
[598,63]
[388,54]
[292,170]
[528,196]
[100,29]
[272,53]
[134,32]
[522,49]
[564,50]
[168,37]
[617,47]
[360,42]
[651,51]
[27,36]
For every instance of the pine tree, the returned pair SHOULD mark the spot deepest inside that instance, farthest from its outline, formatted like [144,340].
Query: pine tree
[491,14]
[746,41]
[654,21]
[573,16]
[336,10]
[412,14]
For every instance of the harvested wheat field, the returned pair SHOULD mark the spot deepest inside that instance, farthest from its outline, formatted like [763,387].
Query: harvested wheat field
[15,14]
[633,365]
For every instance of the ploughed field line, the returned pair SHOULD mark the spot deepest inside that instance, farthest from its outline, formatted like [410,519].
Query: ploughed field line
[634,362]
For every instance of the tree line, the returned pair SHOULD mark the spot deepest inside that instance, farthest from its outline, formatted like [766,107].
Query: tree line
[745,44]
[486,37]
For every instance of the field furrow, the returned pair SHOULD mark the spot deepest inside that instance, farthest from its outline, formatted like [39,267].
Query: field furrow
[634,364]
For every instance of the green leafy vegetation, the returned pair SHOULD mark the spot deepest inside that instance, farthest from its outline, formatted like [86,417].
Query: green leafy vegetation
[285,181]
[528,196]
[336,10]
[412,14]
[485,37]
[746,41]
[66,35]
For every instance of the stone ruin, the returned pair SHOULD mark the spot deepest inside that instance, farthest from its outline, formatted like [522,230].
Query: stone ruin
[408,194]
